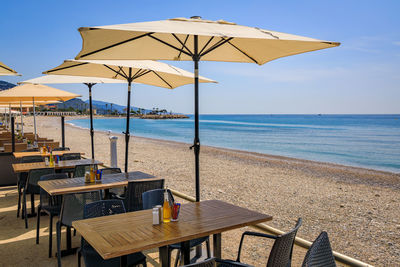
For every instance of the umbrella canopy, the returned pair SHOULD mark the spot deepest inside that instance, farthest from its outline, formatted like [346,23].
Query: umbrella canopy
[7,71]
[139,71]
[35,92]
[193,39]
[88,81]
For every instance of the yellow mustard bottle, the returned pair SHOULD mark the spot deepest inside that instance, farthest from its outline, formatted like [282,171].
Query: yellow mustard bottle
[92,174]
[166,208]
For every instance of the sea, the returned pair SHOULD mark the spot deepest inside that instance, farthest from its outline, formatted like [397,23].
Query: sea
[369,141]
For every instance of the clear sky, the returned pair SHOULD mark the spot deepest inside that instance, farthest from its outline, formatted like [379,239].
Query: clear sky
[360,76]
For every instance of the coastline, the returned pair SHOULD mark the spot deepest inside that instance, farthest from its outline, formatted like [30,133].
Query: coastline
[358,207]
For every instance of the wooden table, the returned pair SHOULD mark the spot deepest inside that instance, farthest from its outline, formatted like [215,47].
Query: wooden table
[63,164]
[18,155]
[122,234]
[75,185]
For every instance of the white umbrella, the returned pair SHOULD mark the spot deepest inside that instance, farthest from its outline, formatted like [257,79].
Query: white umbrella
[88,81]
[7,71]
[139,71]
[193,39]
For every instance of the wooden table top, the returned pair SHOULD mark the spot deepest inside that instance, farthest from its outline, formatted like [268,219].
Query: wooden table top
[37,153]
[75,185]
[123,234]
[62,164]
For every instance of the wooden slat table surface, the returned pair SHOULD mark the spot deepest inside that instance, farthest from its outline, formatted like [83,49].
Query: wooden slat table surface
[75,185]
[63,164]
[123,234]
[37,153]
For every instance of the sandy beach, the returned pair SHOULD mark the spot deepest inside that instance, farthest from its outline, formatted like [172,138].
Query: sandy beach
[359,208]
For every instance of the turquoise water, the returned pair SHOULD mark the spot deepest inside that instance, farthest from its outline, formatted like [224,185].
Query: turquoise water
[371,141]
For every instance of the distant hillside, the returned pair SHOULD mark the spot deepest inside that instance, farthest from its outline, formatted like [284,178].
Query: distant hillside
[102,105]
[6,85]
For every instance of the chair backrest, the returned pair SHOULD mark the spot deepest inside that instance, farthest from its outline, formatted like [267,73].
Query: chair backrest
[320,253]
[31,150]
[34,175]
[155,197]
[61,149]
[80,170]
[211,262]
[103,208]
[110,170]
[45,198]
[135,190]
[74,204]
[281,252]
[70,156]
[30,159]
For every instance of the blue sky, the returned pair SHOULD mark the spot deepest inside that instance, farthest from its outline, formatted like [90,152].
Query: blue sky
[360,76]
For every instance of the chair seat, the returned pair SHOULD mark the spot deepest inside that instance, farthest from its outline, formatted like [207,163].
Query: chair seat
[193,243]
[92,258]
[231,263]
[53,210]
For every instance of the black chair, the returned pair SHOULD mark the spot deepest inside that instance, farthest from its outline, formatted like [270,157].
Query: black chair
[281,252]
[61,149]
[90,256]
[320,253]
[70,156]
[50,205]
[156,197]
[32,187]
[31,150]
[133,198]
[79,170]
[22,177]
[112,192]
[211,262]
[71,210]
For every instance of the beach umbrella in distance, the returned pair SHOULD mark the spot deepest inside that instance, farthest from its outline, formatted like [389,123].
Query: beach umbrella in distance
[35,92]
[139,71]
[88,81]
[193,39]
[7,71]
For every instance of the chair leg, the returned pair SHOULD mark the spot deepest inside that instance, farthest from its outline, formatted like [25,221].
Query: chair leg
[50,235]
[144,263]
[24,210]
[79,258]
[178,257]
[19,199]
[208,248]
[74,232]
[58,230]
[38,225]
[32,204]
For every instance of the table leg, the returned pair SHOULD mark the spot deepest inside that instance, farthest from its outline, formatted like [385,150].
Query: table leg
[70,250]
[164,256]
[185,247]
[124,261]
[217,245]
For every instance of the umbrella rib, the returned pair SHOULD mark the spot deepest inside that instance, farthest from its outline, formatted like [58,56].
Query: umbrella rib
[216,45]
[144,72]
[162,79]
[116,44]
[67,67]
[183,44]
[170,45]
[208,42]
[117,72]
[244,53]
[122,70]
[134,75]
[187,37]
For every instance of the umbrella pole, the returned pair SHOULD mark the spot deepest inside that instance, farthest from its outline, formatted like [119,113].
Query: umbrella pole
[196,144]
[34,121]
[89,85]
[9,115]
[22,119]
[128,109]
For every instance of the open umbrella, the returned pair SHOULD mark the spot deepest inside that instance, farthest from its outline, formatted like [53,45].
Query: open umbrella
[7,71]
[35,92]
[193,39]
[88,81]
[141,71]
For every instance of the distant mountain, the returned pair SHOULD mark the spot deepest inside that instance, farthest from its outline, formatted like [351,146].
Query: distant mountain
[6,85]
[101,105]
[75,103]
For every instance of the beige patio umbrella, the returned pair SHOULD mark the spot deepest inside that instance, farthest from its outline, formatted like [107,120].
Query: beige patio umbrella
[7,71]
[35,92]
[88,81]
[193,39]
[138,71]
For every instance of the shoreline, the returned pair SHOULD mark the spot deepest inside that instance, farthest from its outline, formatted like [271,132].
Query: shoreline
[359,169]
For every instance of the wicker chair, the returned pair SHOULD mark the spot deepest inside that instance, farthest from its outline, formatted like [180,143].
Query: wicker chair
[281,252]
[50,205]
[211,262]
[112,192]
[71,210]
[22,178]
[70,156]
[32,187]
[320,253]
[133,199]
[156,197]
[61,149]
[90,256]
[80,170]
